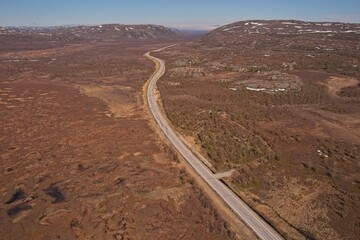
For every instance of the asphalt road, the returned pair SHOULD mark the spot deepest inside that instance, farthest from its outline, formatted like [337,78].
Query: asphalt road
[262,229]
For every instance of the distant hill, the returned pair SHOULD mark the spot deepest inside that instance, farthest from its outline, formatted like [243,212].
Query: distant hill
[280,34]
[287,27]
[106,32]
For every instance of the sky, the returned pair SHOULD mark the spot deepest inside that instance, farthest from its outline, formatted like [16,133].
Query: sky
[187,14]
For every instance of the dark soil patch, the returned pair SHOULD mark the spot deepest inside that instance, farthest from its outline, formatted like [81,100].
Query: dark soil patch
[54,192]
[18,209]
[19,194]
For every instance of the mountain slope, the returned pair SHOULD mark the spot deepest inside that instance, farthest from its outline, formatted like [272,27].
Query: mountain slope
[107,32]
[285,34]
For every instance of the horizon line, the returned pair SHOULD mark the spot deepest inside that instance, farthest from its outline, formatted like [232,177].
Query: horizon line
[202,27]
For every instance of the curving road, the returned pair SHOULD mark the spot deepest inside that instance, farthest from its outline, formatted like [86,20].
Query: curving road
[262,229]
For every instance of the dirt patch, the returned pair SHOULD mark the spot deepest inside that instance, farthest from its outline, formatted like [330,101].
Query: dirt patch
[120,100]
[335,84]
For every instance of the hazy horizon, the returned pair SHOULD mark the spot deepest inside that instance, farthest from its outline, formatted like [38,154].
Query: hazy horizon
[189,15]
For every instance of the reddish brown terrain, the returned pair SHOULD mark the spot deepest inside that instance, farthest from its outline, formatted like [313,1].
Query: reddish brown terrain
[79,156]
[278,103]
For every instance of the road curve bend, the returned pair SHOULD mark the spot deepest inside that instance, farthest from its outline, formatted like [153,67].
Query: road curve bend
[261,228]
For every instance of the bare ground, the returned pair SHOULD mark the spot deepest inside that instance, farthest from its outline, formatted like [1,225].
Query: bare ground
[79,158]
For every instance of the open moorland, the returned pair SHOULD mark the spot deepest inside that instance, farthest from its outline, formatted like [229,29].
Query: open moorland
[79,157]
[276,105]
